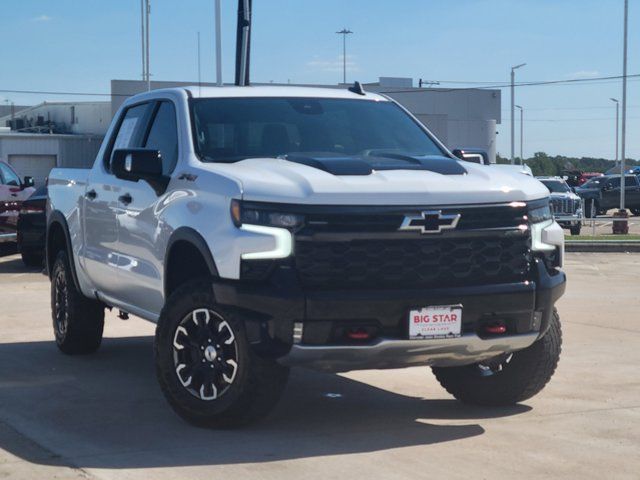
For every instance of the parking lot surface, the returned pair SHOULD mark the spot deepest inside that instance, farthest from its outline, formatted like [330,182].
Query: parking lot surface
[103,416]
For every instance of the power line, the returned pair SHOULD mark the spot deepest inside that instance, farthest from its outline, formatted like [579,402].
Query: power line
[521,84]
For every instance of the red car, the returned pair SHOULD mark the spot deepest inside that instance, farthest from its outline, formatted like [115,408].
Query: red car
[586,176]
[13,192]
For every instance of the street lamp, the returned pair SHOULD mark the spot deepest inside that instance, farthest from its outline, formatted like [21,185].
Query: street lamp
[344,32]
[624,104]
[617,124]
[521,132]
[513,135]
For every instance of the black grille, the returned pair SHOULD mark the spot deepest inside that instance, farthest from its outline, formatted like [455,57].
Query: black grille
[389,219]
[413,263]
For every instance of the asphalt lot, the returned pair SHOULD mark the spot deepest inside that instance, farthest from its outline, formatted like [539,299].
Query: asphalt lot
[103,416]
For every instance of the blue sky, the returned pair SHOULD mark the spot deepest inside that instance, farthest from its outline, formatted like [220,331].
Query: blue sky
[79,46]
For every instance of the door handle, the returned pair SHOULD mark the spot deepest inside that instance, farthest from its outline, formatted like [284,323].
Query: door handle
[91,194]
[126,198]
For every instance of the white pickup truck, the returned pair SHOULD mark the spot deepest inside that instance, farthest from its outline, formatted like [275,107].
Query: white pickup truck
[269,227]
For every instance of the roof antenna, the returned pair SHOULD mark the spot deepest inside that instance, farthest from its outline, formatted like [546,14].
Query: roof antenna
[357,88]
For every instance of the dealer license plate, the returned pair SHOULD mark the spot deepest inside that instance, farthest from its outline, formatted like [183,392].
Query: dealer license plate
[441,321]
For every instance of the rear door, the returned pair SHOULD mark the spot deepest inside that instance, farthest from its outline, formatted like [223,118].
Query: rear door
[140,277]
[611,193]
[102,206]
[632,192]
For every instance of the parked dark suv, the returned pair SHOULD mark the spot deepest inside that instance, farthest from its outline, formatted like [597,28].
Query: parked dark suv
[603,193]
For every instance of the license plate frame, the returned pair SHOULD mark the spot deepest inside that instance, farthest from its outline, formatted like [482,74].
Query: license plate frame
[431,325]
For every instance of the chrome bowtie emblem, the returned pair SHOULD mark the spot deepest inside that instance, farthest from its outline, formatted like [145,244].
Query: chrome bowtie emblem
[430,221]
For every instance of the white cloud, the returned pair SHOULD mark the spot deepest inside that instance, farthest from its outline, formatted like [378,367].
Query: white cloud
[41,18]
[333,65]
[584,74]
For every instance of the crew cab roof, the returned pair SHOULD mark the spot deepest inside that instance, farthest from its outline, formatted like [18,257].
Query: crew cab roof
[280,91]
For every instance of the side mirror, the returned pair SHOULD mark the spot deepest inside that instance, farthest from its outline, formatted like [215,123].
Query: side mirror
[27,182]
[135,164]
[473,155]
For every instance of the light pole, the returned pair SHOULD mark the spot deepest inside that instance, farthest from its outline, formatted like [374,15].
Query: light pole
[513,112]
[521,132]
[148,10]
[617,124]
[624,104]
[218,45]
[344,32]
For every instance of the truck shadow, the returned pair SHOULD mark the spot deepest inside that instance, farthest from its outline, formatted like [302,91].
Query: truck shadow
[106,411]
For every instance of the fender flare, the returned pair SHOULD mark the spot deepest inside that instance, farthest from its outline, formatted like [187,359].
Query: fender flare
[56,217]
[189,235]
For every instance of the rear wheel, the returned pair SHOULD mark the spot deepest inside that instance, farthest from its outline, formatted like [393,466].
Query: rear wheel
[509,378]
[205,365]
[78,321]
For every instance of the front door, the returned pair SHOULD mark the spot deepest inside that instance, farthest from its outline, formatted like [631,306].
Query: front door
[102,206]
[140,236]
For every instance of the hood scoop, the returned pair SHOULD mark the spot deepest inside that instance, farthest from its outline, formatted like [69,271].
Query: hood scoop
[365,165]
[333,164]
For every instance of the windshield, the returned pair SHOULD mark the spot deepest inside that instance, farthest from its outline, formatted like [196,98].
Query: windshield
[232,129]
[556,186]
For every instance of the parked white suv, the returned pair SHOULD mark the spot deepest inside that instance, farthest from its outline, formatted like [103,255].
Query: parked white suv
[267,227]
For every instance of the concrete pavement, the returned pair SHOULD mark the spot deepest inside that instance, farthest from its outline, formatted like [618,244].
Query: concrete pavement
[103,416]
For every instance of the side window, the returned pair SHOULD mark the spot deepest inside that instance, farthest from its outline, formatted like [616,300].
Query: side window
[163,136]
[9,176]
[128,131]
[614,183]
[630,182]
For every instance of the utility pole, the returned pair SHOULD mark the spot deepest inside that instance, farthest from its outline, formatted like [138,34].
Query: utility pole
[624,105]
[513,111]
[147,45]
[218,45]
[142,40]
[199,76]
[344,32]
[521,133]
[617,125]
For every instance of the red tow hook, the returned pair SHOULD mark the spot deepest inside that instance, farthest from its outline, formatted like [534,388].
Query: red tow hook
[495,328]
[358,334]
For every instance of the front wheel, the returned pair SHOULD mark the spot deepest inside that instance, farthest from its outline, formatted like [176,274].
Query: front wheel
[205,366]
[509,378]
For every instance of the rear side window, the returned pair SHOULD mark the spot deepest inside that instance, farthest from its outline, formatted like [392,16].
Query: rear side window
[163,136]
[128,130]
[614,182]
[630,182]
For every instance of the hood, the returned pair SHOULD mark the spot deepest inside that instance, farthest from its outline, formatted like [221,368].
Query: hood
[284,181]
[564,195]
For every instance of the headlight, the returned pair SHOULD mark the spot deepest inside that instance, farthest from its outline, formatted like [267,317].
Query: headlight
[539,214]
[255,214]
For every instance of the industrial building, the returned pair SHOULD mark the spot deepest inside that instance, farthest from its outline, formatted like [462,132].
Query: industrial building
[35,154]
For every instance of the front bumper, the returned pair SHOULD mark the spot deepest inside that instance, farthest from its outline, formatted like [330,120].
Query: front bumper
[279,307]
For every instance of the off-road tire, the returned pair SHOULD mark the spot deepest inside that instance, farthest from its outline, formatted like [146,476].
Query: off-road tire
[575,230]
[524,376]
[78,321]
[32,259]
[256,386]
[635,211]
